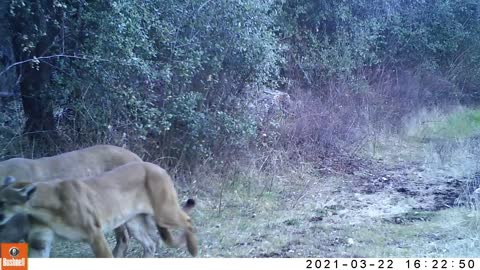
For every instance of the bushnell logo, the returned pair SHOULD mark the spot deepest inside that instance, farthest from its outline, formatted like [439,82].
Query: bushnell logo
[14,256]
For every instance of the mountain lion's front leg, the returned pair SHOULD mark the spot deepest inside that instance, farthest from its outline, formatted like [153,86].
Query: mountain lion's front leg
[40,238]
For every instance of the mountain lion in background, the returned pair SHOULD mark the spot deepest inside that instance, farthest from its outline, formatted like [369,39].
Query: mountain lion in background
[83,209]
[76,164]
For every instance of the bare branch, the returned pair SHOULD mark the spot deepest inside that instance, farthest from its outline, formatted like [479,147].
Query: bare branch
[41,58]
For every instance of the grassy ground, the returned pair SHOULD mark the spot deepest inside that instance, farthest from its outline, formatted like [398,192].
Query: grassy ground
[411,196]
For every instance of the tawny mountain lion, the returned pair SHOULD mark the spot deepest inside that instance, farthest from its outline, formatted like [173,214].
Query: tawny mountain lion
[83,209]
[80,163]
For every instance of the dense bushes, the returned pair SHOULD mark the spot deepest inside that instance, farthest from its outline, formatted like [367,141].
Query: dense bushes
[175,78]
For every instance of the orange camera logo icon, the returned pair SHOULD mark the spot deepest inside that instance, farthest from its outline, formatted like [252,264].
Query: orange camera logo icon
[14,256]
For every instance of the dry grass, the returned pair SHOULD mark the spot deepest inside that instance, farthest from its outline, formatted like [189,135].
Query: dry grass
[405,200]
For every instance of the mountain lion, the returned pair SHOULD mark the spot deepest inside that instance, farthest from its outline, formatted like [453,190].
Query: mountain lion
[83,209]
[80,163]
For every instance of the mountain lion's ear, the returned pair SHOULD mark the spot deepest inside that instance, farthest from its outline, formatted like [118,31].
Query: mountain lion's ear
[8,180]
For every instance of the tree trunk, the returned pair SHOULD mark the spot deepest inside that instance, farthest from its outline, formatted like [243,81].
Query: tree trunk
[37,102]
[35,77]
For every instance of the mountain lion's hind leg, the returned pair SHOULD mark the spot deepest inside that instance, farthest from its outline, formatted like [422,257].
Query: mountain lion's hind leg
[99,245]
[143,228]
[122,238]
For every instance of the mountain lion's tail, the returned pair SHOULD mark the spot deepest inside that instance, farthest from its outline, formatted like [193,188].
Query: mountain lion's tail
[188,234]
